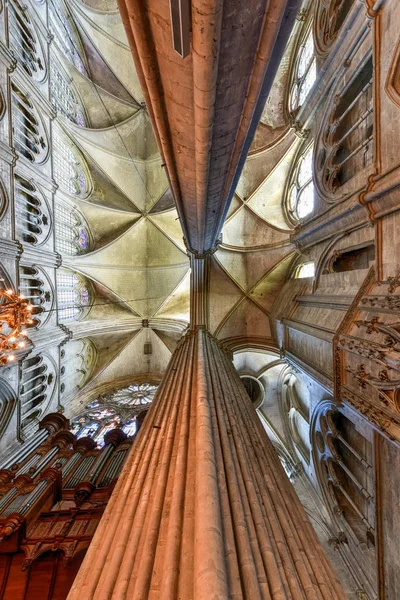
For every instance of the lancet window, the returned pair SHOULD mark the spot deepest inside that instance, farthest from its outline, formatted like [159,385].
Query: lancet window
[28,133]
[73,296]
[69,171]
[64,98]
[305,72]
[23,40]
[117,409]
[34,286]
[37,385]
[31,212]
[348,136]
[301,189]
[71,232]
[65,34]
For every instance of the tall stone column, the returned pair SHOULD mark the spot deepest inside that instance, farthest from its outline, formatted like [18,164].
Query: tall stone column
[203,509]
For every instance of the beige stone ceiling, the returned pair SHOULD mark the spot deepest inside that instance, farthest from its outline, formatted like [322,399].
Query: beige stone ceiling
[138,261]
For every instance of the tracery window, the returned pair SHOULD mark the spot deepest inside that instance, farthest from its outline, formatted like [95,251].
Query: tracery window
[329,19]
[63,97]
[348,136]
[69,170]
[117,409]
[305,72]
[28,133]
[71,232]
[31,212]
[305,270]
[301,191]
[35,287]
[36,387]
[73,296]
[24,41]
[65,34]
[343,464]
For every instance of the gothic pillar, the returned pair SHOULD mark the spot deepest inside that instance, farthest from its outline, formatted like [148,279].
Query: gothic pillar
[199,289]
[203,509]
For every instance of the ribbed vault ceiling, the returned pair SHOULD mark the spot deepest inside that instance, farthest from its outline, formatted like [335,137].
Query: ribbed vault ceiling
[138,263]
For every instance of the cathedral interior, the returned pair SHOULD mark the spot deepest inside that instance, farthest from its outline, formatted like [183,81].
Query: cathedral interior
[199,300]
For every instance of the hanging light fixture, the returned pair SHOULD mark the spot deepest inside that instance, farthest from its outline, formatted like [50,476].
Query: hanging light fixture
[15,312]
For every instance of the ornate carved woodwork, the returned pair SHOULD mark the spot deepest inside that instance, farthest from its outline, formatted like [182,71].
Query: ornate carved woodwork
[50,505]
[343,461]
[367,354]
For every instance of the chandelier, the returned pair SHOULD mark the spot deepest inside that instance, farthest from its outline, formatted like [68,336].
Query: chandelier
[15,312]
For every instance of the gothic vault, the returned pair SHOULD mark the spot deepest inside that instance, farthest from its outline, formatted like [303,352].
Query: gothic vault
[200,198]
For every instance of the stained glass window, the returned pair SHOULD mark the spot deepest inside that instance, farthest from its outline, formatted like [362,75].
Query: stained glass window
[69,172]
[23,40]
[72,296]
[65,34]
[301,196]
[305,73]
[130,428]
[116,409]
[71,235]
[63,97]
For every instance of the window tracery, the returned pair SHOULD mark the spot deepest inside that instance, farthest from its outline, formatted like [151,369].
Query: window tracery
[329,19]
[117,409]
[28,133]
[343,458]
[304,73]
[37,385]
[69,170]
[73,296]
[65,35]
[72,235]
[347,133]
[301,188]
[35,287]
[64,98]
[24,41]
[32,214]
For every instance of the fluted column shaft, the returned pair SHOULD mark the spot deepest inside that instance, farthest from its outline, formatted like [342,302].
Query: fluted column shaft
[203,509]
[199,290]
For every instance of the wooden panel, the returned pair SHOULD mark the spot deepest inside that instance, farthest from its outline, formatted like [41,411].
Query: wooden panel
[41,573]
[16,582]
[65,576]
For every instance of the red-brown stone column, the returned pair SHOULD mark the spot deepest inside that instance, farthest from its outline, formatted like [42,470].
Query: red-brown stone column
[203,509]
